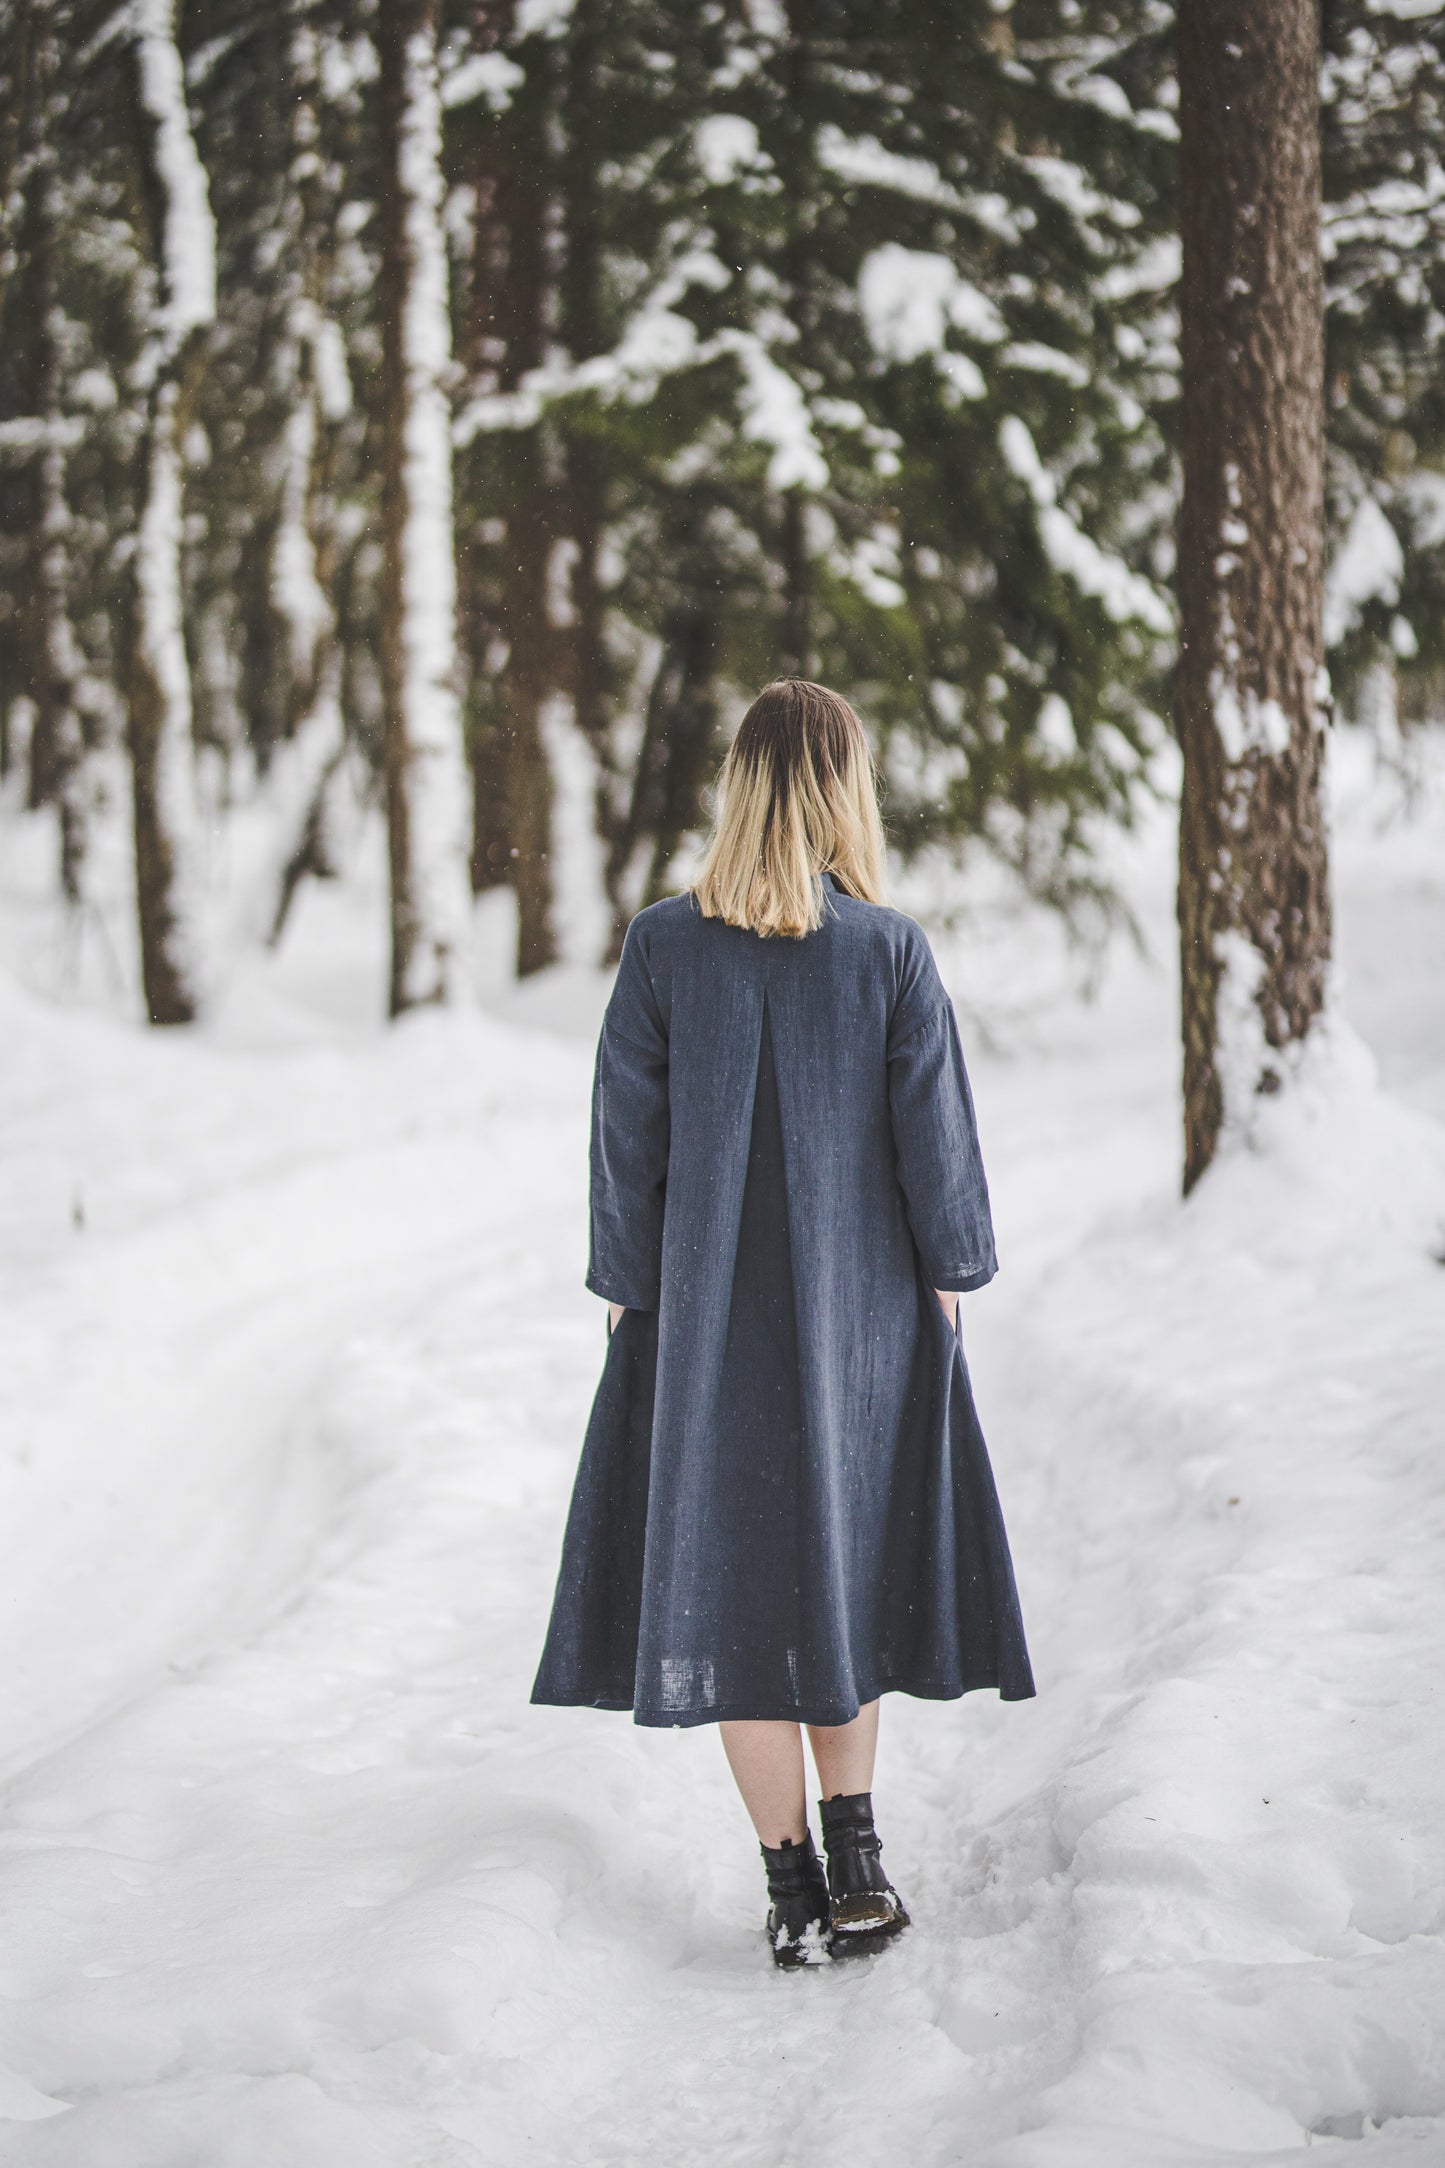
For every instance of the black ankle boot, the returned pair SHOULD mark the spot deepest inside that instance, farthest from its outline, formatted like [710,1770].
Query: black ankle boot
[798,1915]
[865,1909]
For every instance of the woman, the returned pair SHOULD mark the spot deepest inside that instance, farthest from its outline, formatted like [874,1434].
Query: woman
[784,1507]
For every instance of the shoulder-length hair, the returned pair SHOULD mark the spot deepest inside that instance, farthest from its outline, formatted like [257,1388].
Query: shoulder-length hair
[797,798]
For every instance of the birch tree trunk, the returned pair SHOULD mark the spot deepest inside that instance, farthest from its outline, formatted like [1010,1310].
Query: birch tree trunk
[427,789]
[1252,696]
[159,689]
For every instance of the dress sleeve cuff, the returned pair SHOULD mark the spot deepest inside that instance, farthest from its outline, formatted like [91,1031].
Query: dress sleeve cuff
[958,1279]
[611,1289]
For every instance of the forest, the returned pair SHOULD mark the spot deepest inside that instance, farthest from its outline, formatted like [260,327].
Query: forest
[425,426]
[401,403]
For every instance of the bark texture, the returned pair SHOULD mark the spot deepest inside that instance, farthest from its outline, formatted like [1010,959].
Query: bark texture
[528,675]
[483,349]
[1251,700]
[582,333]
[512,775]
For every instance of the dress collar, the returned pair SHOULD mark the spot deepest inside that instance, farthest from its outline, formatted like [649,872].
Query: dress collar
[829,882]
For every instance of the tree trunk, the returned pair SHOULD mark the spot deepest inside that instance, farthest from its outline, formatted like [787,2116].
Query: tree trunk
[427,797]
[582,332]
[306,553]
[691,741]
[797,636]
[159,728]
[679,745]
[528,674]
[484,341]
[511,773]
[1252,700]
[525,684]
[159,691]
[51,658]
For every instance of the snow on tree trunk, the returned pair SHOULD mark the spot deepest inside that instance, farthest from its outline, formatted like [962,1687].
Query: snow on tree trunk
[160,688]
[1252,695]
[427,789]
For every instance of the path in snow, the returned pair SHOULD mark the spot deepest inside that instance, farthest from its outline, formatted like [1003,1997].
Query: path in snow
[291,1872]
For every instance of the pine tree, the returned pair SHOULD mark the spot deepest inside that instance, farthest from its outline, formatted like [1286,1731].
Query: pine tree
[1254,910]
[821,335]
[282,615]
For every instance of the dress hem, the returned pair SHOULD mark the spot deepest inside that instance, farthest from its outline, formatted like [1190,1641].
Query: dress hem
[622,1702]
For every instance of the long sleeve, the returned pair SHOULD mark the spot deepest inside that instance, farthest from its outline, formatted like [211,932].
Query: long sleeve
[935,1137]
[630,1137]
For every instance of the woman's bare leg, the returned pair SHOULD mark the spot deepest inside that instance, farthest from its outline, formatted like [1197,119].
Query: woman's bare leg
[844,1753]
[767,1764]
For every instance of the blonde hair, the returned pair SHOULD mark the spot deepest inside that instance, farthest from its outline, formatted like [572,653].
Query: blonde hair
[798,797]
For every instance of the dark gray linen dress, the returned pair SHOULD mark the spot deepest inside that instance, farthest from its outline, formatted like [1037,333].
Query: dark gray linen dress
[784,1506]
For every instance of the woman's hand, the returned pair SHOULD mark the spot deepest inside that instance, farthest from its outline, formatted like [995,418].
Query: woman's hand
[948,1303]
[616,1311]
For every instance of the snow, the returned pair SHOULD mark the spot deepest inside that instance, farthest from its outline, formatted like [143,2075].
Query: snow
[1153,270]
[490,76]
[1072,189]
[910,297]
[865,161]
[1245,722]
[726,145]
[28,433]
[775,413]
[581,919]
[1045,361]
[294,1363]
[189,240]
[873,564]
[328,362]
[541,18]
[1054,728]
[1367,566]
[1424,492]
[656,341]
[1243,1055]
[296,592]
[438,787]
[1124,594]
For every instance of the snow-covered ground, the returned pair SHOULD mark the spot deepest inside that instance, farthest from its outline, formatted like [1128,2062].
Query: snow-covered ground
[294,1365]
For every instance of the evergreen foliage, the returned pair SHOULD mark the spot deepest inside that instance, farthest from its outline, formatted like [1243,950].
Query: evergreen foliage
[795,334]
[1384,237]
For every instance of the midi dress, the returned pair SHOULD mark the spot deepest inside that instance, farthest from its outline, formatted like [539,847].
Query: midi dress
[784,1506]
